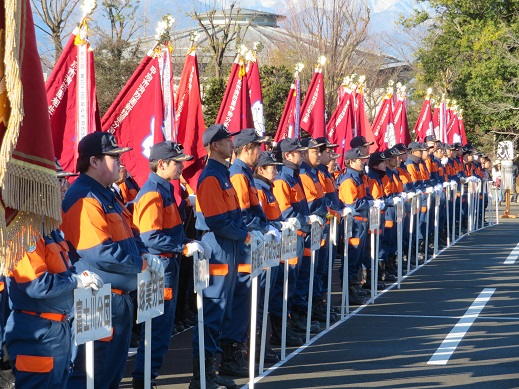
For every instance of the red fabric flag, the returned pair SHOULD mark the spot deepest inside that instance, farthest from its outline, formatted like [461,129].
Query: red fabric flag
[463,135]
[136,117]
[30,202]
[424,124]
[401,124]
[235,112]
[289,123]
[256,96]
[382,127]
[72,101]
[168,85]
[190,120]
[362,126]
[313,108]
[454,130]
[341,125]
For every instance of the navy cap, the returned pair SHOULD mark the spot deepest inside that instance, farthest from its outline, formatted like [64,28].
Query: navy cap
[430,138]
[456,145]
[416,146]
[310,143]
[377,157]
[394,152]
[168,150]
[215,133]
[62,173]
[359,141]
[449,147]
[291,144]
[326,144]
[267,158]
[247,136]
[354,153]
[400,147]
[99,143]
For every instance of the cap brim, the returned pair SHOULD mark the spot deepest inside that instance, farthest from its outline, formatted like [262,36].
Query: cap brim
[119,150]
[270,163]
[182,157]
[369,143]
[262,139]
[330,145]
[317,145]
[335,156]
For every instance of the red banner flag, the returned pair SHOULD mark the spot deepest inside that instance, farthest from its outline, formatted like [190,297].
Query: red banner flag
[313,108]
[424,124]
[256,96]
[167,83]
[190,120]
[362,126]
[383,129]
[342,124]
[289,123]
[136,117]
[71,97]
[235,112]
[30,203]
[454,130]
[401,124]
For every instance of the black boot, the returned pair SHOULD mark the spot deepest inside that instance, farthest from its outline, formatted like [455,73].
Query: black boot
[270,356]
[233,363]
[293,340]
[210,371]
[209,383]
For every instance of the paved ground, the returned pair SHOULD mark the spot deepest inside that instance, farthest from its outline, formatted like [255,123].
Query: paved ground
[390,344]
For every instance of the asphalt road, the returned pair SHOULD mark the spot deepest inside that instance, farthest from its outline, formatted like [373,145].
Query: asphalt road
[454,323]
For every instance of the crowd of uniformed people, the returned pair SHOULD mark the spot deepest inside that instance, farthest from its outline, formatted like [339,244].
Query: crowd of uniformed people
[112,230]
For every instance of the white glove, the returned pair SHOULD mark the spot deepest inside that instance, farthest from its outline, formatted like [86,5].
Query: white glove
[193,247]
[370,203]
[255,236]
[446,184]
[292,223]
[438,188]
[346,211]
[405,195]
[378,203]
[429,190]
[454,184]
[315,219]
[154,264]
[88,279]
[445,161]
[295,222]
[419,192]
[397,200]
[273,234]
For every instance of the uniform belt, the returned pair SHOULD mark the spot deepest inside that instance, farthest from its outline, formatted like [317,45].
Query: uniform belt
[167,255]
[119,291]
[47,315]
[360,218]
[301,233]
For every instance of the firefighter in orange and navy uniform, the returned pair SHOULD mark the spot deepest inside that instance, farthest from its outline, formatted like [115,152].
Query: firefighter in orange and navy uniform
[103,238]
[220,219]
[264,175]
[156,215]
[316,200]
[41,297]
[247,148]
[354,193]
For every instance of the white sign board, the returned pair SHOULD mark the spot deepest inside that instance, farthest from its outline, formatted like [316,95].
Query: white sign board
[150,296]
[256,255]
[272,254]
[315,236]
[92,314]
[507,175]
[505,150]
[399,212]
[374,219]
[200,273]
[289,245]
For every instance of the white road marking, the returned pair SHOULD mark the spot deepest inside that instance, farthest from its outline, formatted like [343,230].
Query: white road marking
[451,342]
[513,256]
